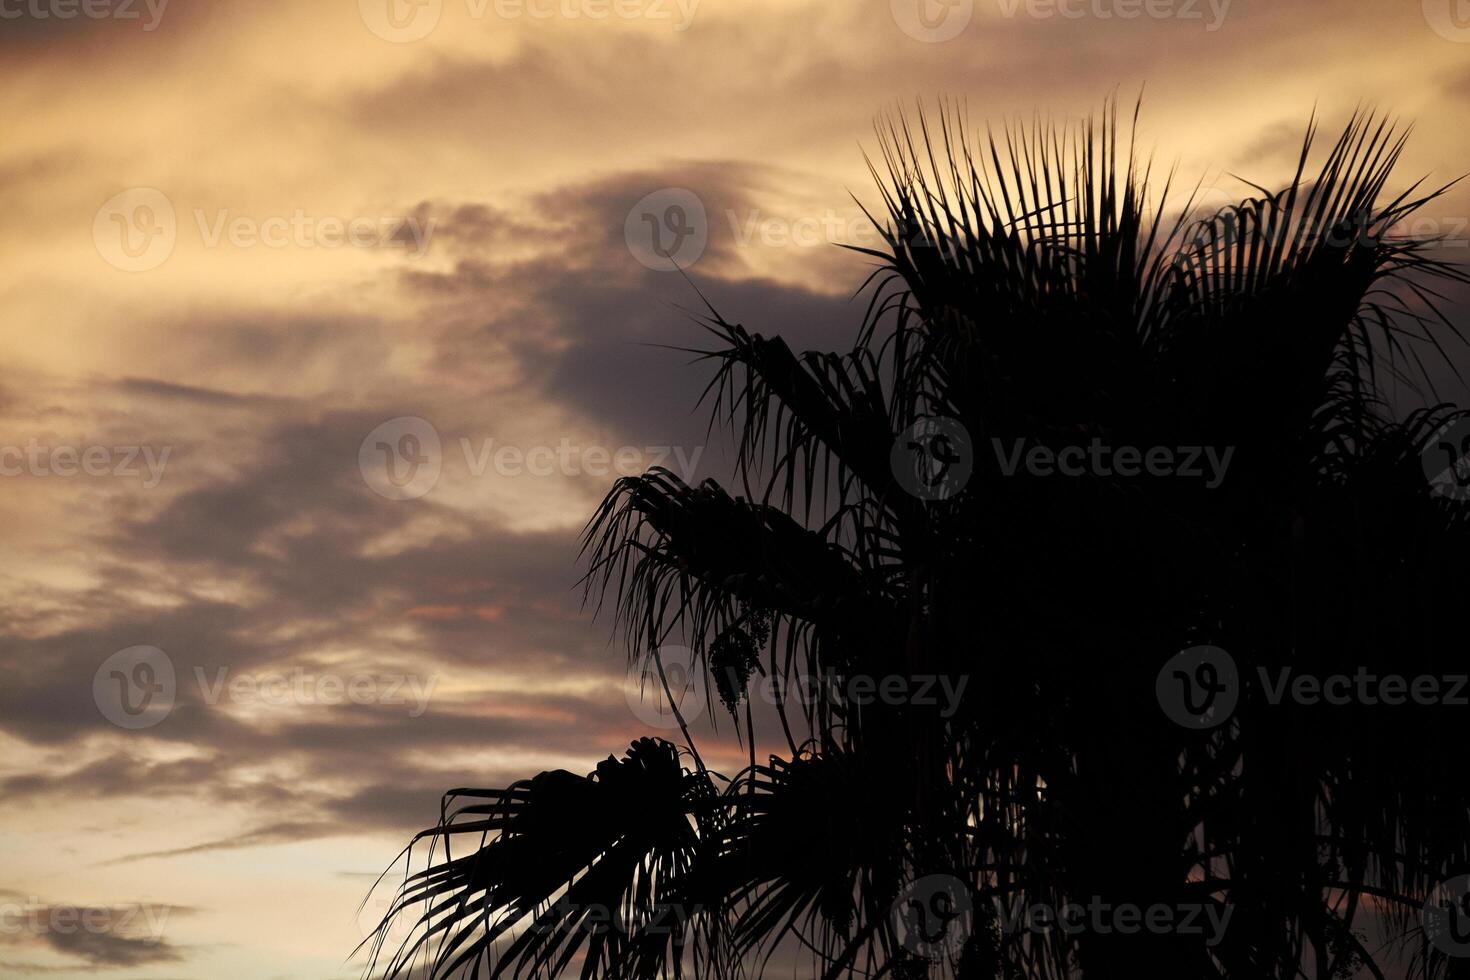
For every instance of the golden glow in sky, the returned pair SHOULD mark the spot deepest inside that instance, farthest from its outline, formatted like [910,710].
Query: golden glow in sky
[245,241]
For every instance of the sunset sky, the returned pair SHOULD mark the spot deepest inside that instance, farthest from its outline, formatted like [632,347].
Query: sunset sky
[245,240]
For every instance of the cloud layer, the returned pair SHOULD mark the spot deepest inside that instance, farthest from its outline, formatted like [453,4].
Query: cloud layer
[344,231]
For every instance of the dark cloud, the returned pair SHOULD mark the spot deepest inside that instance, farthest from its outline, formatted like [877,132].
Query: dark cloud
[276,833]
[172,391]
[100,936]
[100,949]
[595,330]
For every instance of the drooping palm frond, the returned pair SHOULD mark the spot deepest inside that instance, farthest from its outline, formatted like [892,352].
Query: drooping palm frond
[696,559]
[567,867]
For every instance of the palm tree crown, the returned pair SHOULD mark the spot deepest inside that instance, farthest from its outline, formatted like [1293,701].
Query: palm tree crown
[1082,456]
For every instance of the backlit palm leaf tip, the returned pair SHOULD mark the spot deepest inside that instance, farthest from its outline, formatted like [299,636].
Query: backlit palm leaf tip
[1033,291]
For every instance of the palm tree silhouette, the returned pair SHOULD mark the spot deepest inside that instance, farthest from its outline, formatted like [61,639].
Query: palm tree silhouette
[1031,294]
